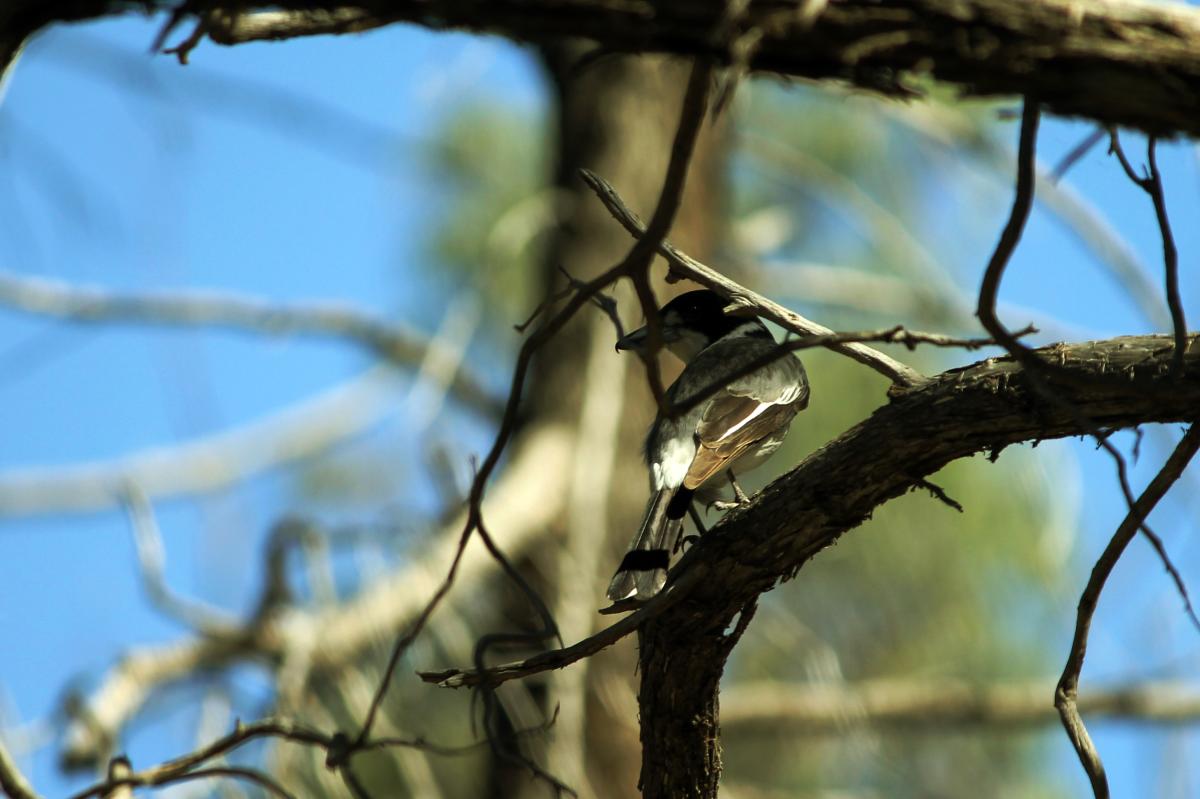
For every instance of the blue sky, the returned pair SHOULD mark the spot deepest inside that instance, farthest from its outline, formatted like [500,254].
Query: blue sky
[131,172]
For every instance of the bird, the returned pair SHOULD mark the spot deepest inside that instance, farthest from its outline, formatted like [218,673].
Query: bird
[740,420]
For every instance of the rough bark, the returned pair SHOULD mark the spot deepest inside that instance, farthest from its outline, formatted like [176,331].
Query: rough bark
[1118,62]
[617,116]
[982,408]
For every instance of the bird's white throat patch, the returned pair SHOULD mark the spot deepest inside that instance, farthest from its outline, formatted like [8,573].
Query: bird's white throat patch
[687,344]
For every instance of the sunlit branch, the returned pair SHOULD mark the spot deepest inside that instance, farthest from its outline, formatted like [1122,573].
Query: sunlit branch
[340,321]
[941,706]
[522,504]
[12,781]
[685,266]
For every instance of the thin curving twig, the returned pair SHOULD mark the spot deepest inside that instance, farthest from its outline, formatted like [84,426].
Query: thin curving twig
[638,258]
[684,265]
[1067,691]
[1152,184]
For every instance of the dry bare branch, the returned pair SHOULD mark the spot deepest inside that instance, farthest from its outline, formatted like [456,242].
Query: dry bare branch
[938,706]
[340,321]
[950,126]
[985,406]
[213,462]
[1152,184]
[521,506]
[692,269]
[12,781]
[1070,54]
[1065,695]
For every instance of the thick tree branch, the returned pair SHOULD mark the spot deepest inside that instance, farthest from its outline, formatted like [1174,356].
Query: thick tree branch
[986,406]
[1119,62]
[939,706]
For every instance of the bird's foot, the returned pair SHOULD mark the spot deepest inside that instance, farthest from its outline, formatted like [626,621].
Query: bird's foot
[738,494]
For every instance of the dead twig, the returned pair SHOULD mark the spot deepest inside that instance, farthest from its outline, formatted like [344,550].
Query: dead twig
[560,658]
[1037,369]
[895,334]
[939,493]
[92,305]
[1067,691]
[204,619]
[1151,183]
[685,266]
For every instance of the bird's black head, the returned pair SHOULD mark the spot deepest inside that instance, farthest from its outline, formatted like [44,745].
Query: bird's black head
[692,321]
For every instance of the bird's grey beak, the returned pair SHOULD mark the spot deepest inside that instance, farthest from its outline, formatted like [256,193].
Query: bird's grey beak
[634,340]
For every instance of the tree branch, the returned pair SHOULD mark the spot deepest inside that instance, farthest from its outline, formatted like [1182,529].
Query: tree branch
[986,406]
[686,266]
[1152,184]
[939,706]
[12,781]
[212,462]
[1119,383]
[522,505]
[385,339]
[1072,55]
[1066,693]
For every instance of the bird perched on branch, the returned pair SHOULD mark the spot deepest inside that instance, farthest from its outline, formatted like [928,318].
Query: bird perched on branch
[729,410]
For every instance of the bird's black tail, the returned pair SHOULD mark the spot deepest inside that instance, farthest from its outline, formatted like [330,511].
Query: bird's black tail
[643,570]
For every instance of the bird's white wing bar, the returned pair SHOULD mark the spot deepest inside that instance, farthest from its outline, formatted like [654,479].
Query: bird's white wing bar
[762,406]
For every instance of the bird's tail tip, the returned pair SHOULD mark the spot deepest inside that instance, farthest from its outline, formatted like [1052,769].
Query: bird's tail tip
[641,575]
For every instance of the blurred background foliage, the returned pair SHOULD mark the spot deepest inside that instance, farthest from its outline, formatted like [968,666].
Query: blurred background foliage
[857,212]
[839,211]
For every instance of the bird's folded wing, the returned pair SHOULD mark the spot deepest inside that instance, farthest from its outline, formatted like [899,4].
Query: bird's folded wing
[781,382]
[731,425]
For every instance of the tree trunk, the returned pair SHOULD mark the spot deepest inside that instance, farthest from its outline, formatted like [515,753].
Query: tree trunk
[616,116]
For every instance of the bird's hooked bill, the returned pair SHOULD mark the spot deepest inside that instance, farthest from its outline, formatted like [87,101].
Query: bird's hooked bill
[634,340]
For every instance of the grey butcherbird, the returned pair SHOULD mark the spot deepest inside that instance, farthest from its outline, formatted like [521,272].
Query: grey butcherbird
[692,454]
